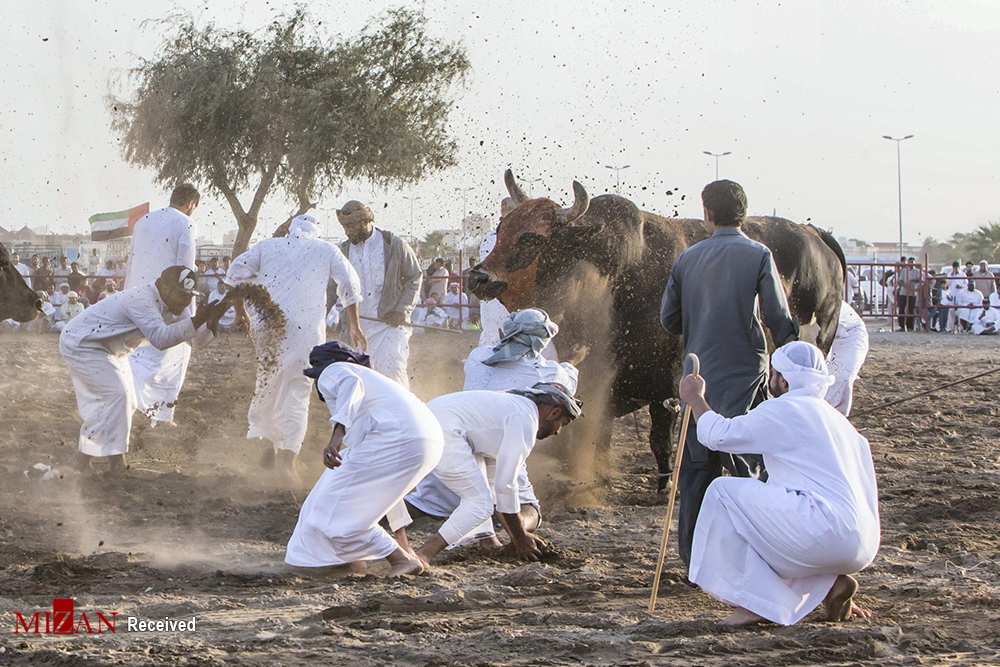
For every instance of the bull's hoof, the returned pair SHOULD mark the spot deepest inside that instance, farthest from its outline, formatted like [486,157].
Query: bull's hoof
[663,483]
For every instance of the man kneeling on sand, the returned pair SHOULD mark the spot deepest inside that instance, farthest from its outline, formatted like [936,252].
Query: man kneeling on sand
[384,441]
[779,549]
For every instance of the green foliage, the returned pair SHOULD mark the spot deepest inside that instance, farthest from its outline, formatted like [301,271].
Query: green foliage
[982,243]
[288,109]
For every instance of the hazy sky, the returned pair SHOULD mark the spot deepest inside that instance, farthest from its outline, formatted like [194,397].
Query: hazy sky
[800,91]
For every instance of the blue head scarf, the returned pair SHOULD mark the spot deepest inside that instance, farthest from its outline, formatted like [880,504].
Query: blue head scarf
[323,355]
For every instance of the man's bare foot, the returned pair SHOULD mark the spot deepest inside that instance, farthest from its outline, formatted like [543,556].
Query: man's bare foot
[285,468]
[839,602]
[358,567]
[409,566]
[740,617]
[267,457]
[117,464]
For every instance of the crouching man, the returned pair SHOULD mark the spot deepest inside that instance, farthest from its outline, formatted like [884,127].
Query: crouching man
[96,343]
[487,437]
[384,441]
[779,549]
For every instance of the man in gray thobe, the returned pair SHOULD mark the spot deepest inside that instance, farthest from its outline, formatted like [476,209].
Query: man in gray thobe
[711,300]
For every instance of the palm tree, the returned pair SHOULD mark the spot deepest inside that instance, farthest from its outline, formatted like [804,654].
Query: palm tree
[983,243]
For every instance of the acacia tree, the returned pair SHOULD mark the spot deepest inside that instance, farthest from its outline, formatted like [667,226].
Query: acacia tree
[288,110]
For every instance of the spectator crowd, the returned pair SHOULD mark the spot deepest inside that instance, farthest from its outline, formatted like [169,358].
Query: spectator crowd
[956,300]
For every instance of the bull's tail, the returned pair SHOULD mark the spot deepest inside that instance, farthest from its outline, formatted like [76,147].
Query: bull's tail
[834,246]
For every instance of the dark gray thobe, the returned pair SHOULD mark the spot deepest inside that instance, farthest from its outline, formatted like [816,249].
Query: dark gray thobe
[711,300]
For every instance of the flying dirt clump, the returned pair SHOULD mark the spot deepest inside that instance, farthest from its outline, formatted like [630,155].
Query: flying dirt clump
[268,328]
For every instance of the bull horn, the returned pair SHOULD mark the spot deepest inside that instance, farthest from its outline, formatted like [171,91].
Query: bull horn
[516,193]
[581,200]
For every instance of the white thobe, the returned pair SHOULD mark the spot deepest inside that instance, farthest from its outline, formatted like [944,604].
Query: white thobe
[161,239]
[492,313]
[954,292]
[391,440]
[776,548]
[971,302]
[388,347]
[433,497]
[25,272]
[847,355]
[295,272]
[981,325]
[487,437]
[95,346]
[456,306]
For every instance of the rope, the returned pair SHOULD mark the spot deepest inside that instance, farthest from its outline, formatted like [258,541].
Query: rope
[925,393]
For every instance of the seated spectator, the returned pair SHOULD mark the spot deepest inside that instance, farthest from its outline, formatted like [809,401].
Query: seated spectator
[988,321]
[69,310]
[429,315]
[45,322]
[456,306]
[109,289]
[58,297]
[970,302]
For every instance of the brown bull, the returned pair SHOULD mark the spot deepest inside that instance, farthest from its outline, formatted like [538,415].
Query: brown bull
[599,268]
[17,301]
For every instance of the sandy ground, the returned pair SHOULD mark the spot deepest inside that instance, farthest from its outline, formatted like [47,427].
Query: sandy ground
[195,529]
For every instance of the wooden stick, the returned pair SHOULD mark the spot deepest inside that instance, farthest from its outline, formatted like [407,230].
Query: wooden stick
[668,518]
[415,326]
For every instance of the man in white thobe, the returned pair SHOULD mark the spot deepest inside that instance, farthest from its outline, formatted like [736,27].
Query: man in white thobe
[160,239]
[96,343]
[456,306]
[847,355]
[776,550]
[514,363]
[295,270]
[956,285]
[390,285]
[487,438]
[988,323]
[970,302]
[384,440]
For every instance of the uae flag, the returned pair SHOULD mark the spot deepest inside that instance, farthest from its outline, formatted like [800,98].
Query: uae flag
[115,225]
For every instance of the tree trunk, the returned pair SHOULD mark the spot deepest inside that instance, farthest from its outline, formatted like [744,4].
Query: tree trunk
[243,235]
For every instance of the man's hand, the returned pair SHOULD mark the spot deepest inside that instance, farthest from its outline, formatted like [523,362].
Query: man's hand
[395,319]
[527,548]
[331,454]
[358,340]
[692,389]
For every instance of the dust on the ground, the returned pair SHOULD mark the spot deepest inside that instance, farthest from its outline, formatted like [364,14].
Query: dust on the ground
[194,529]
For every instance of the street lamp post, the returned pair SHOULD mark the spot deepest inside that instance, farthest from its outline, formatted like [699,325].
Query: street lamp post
[717,156]
[899,182]
[618,175]
[412,199]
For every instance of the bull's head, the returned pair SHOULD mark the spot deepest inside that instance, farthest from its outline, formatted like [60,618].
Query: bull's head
[17,301]
[510,271]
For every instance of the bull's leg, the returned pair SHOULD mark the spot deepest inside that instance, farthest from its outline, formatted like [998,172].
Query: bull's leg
[661,427]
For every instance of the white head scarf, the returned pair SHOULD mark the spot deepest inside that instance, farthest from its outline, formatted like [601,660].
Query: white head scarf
[804,369]
[304,227]
[524,333]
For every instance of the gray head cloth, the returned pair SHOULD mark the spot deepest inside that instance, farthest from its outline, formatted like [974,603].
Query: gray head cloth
[524,333]
[553,393]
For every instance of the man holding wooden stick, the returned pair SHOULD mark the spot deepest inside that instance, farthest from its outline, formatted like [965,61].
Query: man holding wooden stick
[711,300]
[779,549]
